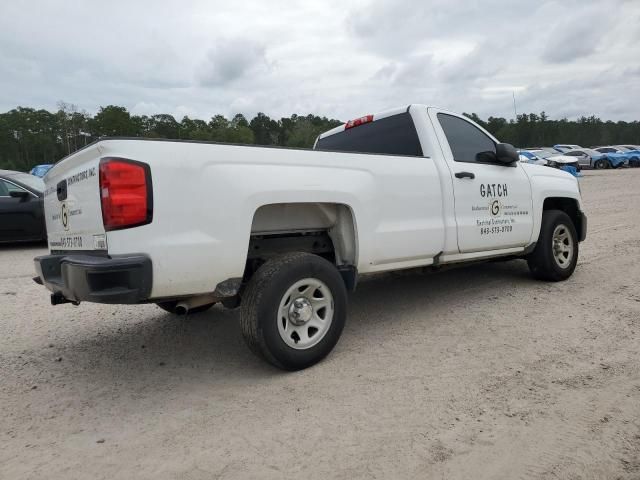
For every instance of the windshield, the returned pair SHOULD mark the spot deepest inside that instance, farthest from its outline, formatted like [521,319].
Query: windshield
[31,181]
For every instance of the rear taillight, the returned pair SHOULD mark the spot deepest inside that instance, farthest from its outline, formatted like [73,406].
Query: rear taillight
[358,121]
[126,194]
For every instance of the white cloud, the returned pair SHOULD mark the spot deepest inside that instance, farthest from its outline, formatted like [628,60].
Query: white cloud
[229,60]
[334,58]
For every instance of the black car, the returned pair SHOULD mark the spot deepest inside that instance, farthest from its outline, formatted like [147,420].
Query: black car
[21,207]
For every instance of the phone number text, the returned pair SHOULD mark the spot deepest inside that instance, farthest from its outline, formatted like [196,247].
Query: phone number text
[496,230]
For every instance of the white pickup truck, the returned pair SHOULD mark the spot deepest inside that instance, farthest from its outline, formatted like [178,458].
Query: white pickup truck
[285,233]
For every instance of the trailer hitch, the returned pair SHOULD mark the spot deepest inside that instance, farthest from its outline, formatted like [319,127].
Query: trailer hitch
[58,299]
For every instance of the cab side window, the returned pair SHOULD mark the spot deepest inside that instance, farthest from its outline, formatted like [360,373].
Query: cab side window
[12,187]
[4,191]
[467,142]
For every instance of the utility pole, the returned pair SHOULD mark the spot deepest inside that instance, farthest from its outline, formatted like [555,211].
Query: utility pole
[515,112]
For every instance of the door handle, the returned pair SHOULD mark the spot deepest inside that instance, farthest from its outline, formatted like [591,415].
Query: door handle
[465,175]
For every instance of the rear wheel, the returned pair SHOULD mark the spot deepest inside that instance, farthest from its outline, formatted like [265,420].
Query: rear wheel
[556,252]
[294,310]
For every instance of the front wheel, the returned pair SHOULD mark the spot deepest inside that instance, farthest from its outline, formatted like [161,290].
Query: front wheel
[294,310]
[601,164]
[556,253]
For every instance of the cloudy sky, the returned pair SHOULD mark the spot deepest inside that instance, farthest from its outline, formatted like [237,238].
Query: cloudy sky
[335,58]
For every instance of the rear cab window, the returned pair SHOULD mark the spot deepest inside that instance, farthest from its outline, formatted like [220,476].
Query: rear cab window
[393,135]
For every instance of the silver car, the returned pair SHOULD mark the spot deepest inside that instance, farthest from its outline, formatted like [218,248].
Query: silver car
[586,157]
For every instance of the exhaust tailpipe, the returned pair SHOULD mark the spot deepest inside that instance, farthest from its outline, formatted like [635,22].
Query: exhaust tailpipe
[184,306]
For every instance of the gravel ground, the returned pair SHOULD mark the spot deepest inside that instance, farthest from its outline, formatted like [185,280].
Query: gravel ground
[478,372]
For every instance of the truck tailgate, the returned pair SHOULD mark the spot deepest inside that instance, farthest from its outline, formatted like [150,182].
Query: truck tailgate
[72,203]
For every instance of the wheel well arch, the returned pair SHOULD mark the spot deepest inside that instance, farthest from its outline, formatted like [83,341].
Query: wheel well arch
[323,228]
[567,205]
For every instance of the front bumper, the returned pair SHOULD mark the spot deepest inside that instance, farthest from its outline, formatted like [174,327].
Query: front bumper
[122,279]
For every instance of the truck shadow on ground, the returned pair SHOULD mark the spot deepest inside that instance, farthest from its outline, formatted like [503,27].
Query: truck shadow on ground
[22,246]
[209,346]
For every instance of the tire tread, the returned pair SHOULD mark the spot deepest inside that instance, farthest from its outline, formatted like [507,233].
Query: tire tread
[252,299]
[540,261]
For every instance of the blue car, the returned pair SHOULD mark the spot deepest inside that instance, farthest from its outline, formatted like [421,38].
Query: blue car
[615,157]
[40,170]
[530,157]
[633,151]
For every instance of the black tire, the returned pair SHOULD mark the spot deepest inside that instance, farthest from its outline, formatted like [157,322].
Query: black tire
[602,164]
[542,262]
[171,307]
[634,162]
[262,299]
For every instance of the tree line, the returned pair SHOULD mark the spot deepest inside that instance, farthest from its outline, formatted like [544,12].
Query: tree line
[30,137]
[538,130]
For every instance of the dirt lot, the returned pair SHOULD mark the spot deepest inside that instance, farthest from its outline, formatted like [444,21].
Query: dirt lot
[478,372]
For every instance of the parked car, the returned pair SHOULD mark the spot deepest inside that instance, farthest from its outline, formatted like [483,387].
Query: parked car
[633,152]
[566,147]
[631,147]
[552,159]
[40,170]
[587,157]
[286,233]
[548,150]
[615,157]
[21,207]
[527,156]
[563,162]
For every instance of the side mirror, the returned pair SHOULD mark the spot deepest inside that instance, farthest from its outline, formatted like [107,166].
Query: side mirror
[506,153]
[22,194]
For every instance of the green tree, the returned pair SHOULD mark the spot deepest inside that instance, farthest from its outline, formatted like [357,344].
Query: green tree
[162,126]
[265,130]
[29,136]
[113,121]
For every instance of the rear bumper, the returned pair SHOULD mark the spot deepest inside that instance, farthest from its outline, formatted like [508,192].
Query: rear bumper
[122,279]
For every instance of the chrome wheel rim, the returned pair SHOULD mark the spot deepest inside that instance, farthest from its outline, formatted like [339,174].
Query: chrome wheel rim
[562,246]
[305,313]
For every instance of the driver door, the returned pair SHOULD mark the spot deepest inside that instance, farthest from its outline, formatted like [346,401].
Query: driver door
[493,205]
